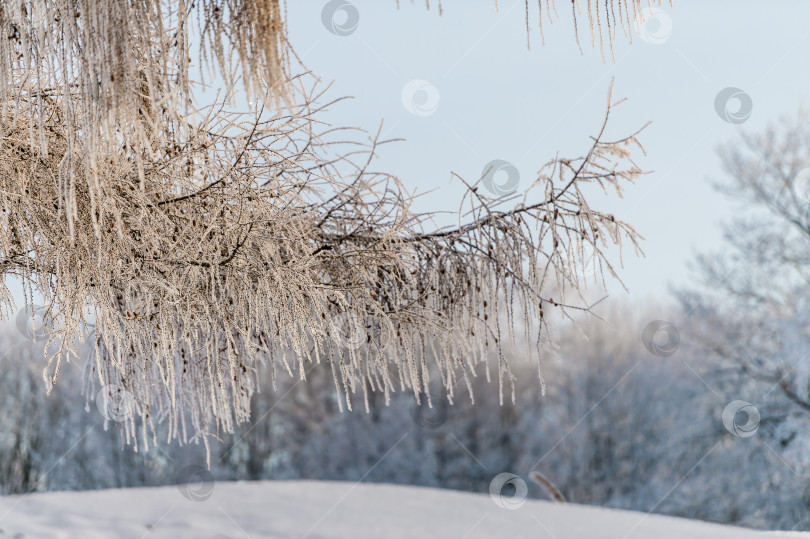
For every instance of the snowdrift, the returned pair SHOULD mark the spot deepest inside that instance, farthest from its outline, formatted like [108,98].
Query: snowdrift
[318,509]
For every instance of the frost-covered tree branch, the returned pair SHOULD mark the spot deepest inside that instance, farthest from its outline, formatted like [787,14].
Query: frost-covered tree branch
[241,237]
[183,246]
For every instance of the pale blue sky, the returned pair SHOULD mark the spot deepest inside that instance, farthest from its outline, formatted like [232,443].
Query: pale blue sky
[498,100]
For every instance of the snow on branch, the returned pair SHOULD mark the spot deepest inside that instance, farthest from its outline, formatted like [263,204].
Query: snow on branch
[237,239]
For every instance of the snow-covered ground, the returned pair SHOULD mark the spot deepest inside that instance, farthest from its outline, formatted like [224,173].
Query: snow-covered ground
[325,509]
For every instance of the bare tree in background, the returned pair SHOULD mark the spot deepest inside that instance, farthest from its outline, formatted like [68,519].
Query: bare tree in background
[185,245]
[756,290]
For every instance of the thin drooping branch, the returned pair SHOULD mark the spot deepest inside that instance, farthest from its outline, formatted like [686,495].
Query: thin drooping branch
[604,18]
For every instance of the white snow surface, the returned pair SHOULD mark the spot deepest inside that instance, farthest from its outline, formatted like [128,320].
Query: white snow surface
[320,509]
